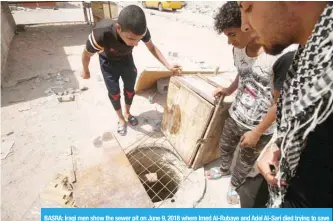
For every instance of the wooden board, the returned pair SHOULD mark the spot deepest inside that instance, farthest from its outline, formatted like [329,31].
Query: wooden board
[186,117]
[150,76]
[105,178]
[209,150]
[199,86]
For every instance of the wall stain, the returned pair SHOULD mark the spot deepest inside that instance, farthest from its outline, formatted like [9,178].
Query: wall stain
[172,119]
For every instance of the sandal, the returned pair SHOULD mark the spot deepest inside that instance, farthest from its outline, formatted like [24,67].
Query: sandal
[132,120]
[216,173]
[122,129]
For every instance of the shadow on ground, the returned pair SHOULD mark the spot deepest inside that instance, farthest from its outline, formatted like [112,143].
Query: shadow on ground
[150,123]
[40,62]
[152,96]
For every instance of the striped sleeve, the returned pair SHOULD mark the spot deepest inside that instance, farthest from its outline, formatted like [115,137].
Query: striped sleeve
[94,43]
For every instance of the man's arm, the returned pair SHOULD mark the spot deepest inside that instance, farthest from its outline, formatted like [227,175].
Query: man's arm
[159,56]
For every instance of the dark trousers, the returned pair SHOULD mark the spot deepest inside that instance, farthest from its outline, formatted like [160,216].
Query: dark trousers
[253,192]
[112,71]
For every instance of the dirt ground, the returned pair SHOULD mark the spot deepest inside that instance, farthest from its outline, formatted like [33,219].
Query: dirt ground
[37,130]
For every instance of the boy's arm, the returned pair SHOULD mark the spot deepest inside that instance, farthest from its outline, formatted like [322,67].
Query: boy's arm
[159,56]
[227,91]
[232,88]
[280,68]
[93,45]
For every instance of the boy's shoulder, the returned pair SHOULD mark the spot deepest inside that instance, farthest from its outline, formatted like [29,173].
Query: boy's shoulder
[105,25]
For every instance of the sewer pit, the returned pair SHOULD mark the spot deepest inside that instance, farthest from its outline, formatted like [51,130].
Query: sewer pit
[159,170]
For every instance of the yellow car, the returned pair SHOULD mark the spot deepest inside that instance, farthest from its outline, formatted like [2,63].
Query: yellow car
[161,6]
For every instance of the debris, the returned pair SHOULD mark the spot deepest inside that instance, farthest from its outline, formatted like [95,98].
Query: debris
[59,82]
[46,76]
[6,149]
[59,78]
[66,79]
[73,173]
[107,136]
[26,108]
[27,79]
[66,98]
[10,133]
[60,190]
[77,91]
[151,177]
[49,91]
[151,98]
[98,142]
[84,88]
[57,86]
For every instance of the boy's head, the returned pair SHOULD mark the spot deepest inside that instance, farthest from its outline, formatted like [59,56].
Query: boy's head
[131,25]
[229,21]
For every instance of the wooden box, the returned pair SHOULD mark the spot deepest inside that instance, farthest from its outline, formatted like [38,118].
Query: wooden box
[193,119]
[104,9]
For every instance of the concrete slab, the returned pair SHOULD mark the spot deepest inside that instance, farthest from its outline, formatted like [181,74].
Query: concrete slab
[105,178]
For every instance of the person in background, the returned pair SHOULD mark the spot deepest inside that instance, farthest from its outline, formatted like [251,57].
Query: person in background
[250,123]
[299,166]
[114,41]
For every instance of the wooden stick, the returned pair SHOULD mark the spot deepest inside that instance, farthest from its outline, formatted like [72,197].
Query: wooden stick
[209,81]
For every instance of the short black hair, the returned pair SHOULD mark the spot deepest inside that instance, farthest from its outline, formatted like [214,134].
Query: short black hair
[229,16]
[133,19]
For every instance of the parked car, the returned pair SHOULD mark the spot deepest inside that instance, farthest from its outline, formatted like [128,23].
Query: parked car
[161,6]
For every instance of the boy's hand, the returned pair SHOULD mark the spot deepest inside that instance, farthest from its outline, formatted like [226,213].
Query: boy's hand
[250,139]
[85,74]
[175,69]
[221,91]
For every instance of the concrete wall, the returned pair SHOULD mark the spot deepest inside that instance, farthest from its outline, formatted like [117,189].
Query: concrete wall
[8,27]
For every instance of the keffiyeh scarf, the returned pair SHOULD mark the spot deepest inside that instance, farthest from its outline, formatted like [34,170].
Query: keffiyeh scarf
[306,99]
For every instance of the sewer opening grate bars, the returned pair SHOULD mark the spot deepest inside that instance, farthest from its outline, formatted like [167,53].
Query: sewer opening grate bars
[167,170]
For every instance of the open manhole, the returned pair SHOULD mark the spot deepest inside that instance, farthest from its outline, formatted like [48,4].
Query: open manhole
[158,170]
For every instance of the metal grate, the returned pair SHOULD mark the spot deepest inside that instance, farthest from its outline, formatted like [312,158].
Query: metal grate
[159,170]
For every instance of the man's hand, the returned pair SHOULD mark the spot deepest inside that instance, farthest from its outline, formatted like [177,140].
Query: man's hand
[85,74]
[268,159]
[221,92]
[175,69]
[250,139]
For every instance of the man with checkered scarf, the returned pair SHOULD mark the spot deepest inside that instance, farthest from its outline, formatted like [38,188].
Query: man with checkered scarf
[299,166]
